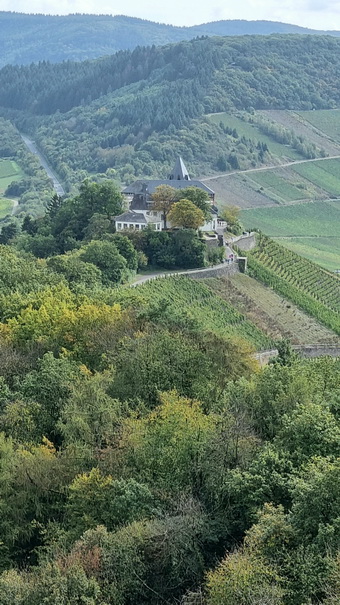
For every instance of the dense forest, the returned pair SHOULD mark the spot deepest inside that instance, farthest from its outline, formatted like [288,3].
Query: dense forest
[30,38]
[144,455]
[132,113]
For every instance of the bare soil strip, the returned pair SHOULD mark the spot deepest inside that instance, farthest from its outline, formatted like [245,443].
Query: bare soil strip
[270,312]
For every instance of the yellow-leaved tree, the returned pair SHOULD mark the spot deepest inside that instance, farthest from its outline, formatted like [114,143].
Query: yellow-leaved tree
[185,214]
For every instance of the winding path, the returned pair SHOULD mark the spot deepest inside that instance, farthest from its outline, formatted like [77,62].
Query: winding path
[43,161]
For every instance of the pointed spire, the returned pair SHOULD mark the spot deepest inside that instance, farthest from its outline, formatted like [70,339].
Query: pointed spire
[179,172]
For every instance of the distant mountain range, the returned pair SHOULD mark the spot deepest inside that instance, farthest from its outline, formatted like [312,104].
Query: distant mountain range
[32,38]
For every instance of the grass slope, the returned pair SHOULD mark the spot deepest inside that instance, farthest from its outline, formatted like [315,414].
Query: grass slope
[313,289]
[326,121]
[269,311]
[195,301]
[250,131]
[9,171]
[310,219]
[325,251]
[324,174]
[312,229]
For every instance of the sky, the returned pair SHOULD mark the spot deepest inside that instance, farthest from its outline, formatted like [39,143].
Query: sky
[316,14]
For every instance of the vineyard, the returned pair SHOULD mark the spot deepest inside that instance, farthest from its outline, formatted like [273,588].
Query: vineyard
[310,287]
[188,300]
[326,121]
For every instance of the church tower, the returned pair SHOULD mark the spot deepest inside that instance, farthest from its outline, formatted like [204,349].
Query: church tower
[179,172]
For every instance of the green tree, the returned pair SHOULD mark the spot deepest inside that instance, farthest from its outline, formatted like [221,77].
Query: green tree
[53,205]
[105,256]
[231,214]
[186,214]
[166,447]
[96,499]
[197,196]
[244,578]
[163,198]
[76,271]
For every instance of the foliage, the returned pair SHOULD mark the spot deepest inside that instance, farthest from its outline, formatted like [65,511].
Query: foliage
[145,457]
[185,214]
[231,214]
[135,111]
[243,578]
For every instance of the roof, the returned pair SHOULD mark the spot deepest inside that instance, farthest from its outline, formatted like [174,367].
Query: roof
[136,187]
[131,217]
[179,172]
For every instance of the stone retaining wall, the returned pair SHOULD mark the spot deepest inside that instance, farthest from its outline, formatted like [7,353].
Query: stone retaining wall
[244,242]
[310,351]
[217,271]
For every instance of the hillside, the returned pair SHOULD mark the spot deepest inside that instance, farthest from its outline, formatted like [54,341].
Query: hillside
[146,458]
[310,287]
[270,311]
[26,38]
[135,111]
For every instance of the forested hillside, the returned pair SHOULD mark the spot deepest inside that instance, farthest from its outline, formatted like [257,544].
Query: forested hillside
[31,38]
[135,111]
[145,457]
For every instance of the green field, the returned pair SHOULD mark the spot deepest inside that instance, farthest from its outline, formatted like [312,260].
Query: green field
[250,131]
[316,224]
[6,206]
[325,120]
[270,311]
[324,174]
[9,171]
[277,187]
[312,219]
[310,287]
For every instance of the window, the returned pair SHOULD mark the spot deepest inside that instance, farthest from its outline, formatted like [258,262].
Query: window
[137,227]
[119,226]
[142,226]
[125,226]
[131,226]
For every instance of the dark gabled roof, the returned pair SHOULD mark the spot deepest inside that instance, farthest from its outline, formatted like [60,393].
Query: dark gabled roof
[179,172]
[131,217]
[139,202]
[136,187]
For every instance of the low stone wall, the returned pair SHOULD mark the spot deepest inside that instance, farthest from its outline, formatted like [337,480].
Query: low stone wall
[244,242]
[217,271]
[317,350]
[310,351]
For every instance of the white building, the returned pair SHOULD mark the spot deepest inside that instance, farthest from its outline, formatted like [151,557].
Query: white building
[139,198]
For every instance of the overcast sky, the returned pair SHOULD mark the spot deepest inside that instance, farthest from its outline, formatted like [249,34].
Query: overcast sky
[317,14]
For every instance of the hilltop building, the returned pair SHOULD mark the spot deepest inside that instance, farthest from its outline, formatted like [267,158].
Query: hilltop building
[139,198]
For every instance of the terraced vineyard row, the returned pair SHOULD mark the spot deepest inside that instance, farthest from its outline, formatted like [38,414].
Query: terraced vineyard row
[309,286]
[189,300]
